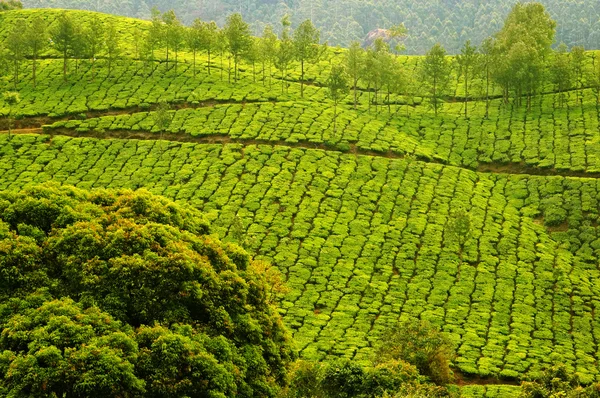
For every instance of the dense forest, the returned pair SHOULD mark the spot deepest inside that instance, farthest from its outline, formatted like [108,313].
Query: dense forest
[449,22]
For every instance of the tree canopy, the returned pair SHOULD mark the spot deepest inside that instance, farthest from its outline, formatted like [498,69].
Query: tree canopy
[163,308]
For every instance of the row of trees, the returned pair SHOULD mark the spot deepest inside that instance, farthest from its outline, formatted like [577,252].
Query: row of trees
[69,38]
[518,59]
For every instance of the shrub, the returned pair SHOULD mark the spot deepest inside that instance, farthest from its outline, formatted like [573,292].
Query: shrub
[422,345]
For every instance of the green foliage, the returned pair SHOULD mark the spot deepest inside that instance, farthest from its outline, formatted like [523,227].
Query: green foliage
[557,381]
[422,345]
[436,72]
[141,260]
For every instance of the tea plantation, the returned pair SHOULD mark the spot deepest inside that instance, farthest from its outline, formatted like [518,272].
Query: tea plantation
[356,220]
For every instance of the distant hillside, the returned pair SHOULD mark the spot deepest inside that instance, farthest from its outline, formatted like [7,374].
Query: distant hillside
[450,22]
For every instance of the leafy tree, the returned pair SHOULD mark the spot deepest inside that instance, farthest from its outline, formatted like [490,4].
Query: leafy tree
[435,70]
[562,72]
[172,35]
[374,67]
[337,86]
[459,228]
[354,62]
[156,30]
[138,259]
[285,52]
[209,39]
[578,64]
[420,344]
[162,117]
[467,61]
[94,35]
[194,38]
[12,98]
[113,46]
[484,67]
[64,37]
[522,45]
[592,79]
[268,48]
[16,43]
[306,47]
[238,37]
[60,349]
[252,55]
[397,33]
[36,40]
[81,47]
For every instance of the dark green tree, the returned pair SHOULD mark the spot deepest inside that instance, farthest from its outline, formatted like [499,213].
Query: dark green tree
[285,52]
[138,259]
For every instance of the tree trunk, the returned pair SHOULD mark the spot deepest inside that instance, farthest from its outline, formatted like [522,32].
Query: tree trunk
[334,118]
[355,82]
[435,96]
[194,62]
[16,79]
[34,68]
[167,60]
[209,62]
[302,79]
[65,65]
[466,92]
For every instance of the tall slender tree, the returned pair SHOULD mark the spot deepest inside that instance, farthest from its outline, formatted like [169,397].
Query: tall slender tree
[64,38]
[337,88]
[467,60]
[36,39]
[562,72]
[268,48]
[239,40]
[484,68]
[172,35]
[209,38]
[94,34]
[306,47]
[193,38]
[16,43]
[285,52]
[113,47]
[354,62]
[435,70]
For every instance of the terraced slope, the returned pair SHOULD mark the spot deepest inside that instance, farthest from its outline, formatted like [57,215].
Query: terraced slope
[356,220]
[362,241]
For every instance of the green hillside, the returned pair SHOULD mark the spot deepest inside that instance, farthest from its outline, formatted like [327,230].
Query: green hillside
[357,220]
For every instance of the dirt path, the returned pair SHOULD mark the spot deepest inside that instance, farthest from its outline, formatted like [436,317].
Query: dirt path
[492,168]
